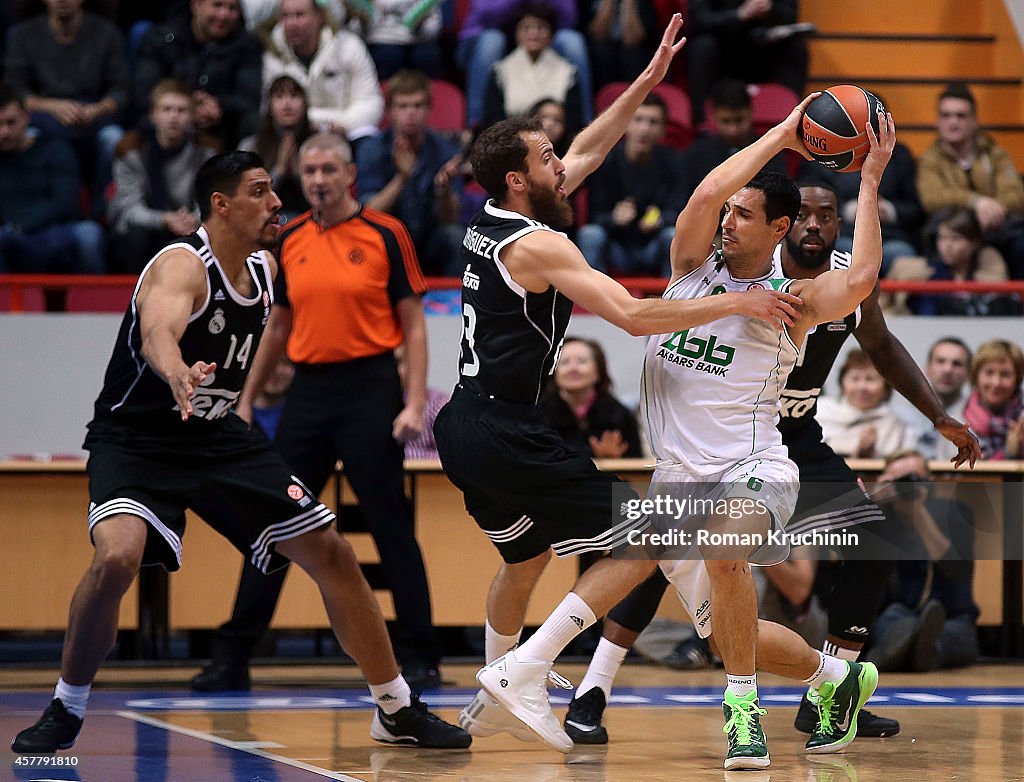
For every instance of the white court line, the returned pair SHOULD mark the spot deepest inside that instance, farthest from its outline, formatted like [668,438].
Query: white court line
[240,746]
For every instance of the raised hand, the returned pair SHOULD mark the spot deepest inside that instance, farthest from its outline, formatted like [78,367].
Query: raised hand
[879,147]
[667,49]
[790,127]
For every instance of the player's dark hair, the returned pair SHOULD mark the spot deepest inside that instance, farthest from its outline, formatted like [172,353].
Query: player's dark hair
[500,149]
[820,182]
[222,174]
[730,94]
[781,195]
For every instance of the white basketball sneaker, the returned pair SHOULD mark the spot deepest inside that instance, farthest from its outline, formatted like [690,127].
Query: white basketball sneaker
[521,688]
[484,716]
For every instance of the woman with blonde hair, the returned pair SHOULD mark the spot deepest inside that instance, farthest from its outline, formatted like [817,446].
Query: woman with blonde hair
[995,410]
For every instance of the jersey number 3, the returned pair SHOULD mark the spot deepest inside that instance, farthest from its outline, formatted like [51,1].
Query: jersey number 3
[469,359]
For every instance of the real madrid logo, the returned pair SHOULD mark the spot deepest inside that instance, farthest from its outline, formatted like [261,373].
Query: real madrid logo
[356,255]
[217,322]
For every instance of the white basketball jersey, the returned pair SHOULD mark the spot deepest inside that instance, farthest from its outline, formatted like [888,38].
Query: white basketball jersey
[710,395]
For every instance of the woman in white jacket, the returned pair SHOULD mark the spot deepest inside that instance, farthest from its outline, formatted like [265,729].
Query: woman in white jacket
[861,423]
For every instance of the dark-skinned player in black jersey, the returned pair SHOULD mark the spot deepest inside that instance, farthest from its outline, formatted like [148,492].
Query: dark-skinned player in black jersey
[808,251]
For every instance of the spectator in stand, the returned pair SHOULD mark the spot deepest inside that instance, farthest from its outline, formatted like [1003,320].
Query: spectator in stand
[41,230]
[153,174]
[862,423]
[531,72]
[484,39]
[401,34]
[947,370]
[69,66]
[263,13]
[268,404]
[635,197]
[966,167]
[208,49]
[579,404]
[622,35]
[960,254]
[899,209]
[931,621]
[753,40]
[334,67]
[732,113]
[285,125]
[994,410]
[410,171]
[551,114]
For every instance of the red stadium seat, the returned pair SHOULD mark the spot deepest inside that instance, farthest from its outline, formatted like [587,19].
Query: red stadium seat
[676,101]
[771,103]
[97,298]
[448,113]
[32,299]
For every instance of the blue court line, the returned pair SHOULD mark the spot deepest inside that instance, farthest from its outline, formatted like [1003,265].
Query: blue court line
[625,697]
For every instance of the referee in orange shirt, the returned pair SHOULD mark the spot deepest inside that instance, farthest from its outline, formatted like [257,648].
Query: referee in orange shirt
[347,295]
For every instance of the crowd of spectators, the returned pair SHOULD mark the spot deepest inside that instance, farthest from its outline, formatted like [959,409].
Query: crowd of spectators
[106,82]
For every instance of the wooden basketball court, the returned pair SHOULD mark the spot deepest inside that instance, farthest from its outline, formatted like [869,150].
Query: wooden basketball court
[145,726]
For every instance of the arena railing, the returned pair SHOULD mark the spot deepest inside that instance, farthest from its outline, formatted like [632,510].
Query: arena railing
[16,290]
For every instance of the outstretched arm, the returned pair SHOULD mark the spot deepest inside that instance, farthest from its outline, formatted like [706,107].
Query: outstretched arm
[544,258]
[835,294]
[594,142]
[698,222]
[173,288]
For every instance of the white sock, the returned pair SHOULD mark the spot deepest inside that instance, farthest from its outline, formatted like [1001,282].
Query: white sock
[603,667]
[497,645]
[832,649]
[74,697]
[830,669]
[393,695]
[569,619]
[741,686]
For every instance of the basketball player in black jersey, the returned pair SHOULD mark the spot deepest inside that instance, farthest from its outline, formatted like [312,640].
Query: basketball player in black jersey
[526,488]
[807,252]
[164,439]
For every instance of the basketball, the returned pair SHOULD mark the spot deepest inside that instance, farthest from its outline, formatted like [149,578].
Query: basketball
[832,127]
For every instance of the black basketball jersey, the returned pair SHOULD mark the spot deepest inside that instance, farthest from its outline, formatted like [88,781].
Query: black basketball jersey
[817,356]
[226,330]
[510,336]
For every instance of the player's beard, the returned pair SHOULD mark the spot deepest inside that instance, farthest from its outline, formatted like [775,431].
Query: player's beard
[548,205]
[809,260]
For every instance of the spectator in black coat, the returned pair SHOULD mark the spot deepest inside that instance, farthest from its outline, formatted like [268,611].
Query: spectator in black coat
[579,404]
[209,50]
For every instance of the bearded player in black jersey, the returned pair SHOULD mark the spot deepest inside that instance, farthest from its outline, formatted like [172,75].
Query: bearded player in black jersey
[164,439]
[829,498]
[529,492]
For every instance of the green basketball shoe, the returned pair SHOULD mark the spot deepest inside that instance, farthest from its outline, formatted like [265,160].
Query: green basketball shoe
[747,746]
[838,707]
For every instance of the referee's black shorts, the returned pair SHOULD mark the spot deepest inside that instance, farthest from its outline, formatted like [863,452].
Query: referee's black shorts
[527,490]
[227,473]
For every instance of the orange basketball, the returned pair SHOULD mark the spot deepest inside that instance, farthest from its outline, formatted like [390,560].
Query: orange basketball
[832,127]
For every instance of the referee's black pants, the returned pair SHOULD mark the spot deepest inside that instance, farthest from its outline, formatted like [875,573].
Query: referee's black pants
[345,411]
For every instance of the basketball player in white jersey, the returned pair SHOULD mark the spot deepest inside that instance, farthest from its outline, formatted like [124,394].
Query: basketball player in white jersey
[711,398]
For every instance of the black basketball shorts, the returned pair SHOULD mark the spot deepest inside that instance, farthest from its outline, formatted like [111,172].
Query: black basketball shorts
[230,476]
[525,488]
